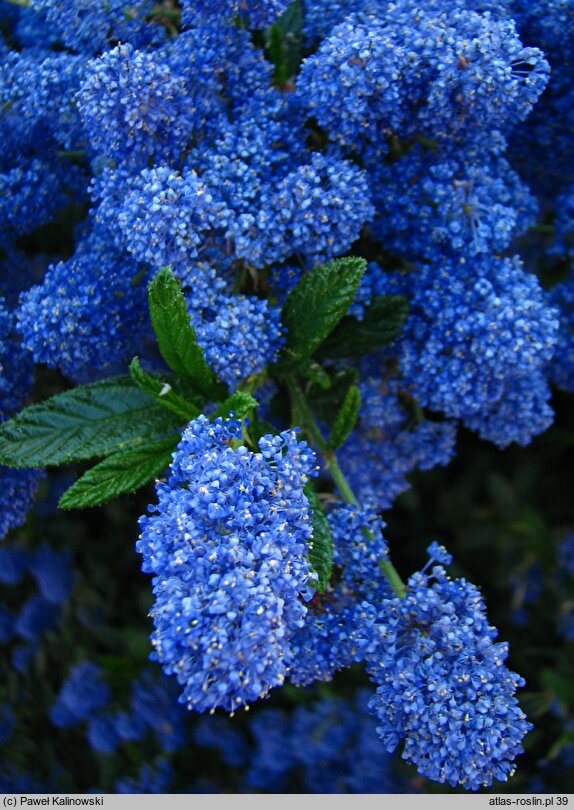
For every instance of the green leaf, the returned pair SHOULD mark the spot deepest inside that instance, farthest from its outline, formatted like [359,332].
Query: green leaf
[316,373]
[326,404]
[284,43]
[176,337]
[120,473]
[88,421]
[239,402]
[561,686]
[316,305]
[346,418]
[321,549]
[381,324]
[161,389]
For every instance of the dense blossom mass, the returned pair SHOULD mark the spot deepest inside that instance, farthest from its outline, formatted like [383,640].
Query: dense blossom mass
[241,147]
[444,687]
[227,545]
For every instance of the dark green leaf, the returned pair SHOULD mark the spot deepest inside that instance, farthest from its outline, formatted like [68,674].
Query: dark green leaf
[176,337]
[239,403]
[161,389]
[88,421]
[120,473]
[316,305]
[561,686]
[381,324]
[327,404]
[316,373]
[284,43]
[321,550]
[346,418]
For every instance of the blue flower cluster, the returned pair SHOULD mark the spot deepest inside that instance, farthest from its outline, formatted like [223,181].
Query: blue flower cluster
[477,344]
[18,487]
[443,686]
[338,625]
[88,27]
[227,545]
[465,201]
[134,108]
[259,13]
[82,694]
[341,755]
[164,215]
[72,322]
[40,611]
[241,153]
[394,441]
[439,72]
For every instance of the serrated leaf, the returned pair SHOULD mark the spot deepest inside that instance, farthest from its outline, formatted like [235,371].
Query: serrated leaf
[381,324]
[176,337]
[316,373]
[327,404]
[120,473]
[316,305]
[321,552]
[239,403]
[85,422]
[346,418]
[161,389]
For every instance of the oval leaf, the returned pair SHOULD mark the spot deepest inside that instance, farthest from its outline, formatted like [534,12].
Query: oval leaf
[176,337]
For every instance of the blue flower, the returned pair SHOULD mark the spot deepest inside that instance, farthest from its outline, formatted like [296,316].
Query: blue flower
[53,573]
[227,544]
[166,216]
[134,108]
[438,553]
[338,626]
[83,693]
[477,341]
[439,72]
[89,314]
[259,13]
[443,686]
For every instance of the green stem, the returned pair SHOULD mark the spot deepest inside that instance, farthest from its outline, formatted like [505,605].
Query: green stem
[252,383]
[393,578]
[310,424]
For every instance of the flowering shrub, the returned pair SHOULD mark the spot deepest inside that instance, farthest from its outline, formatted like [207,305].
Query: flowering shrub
[296,266]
